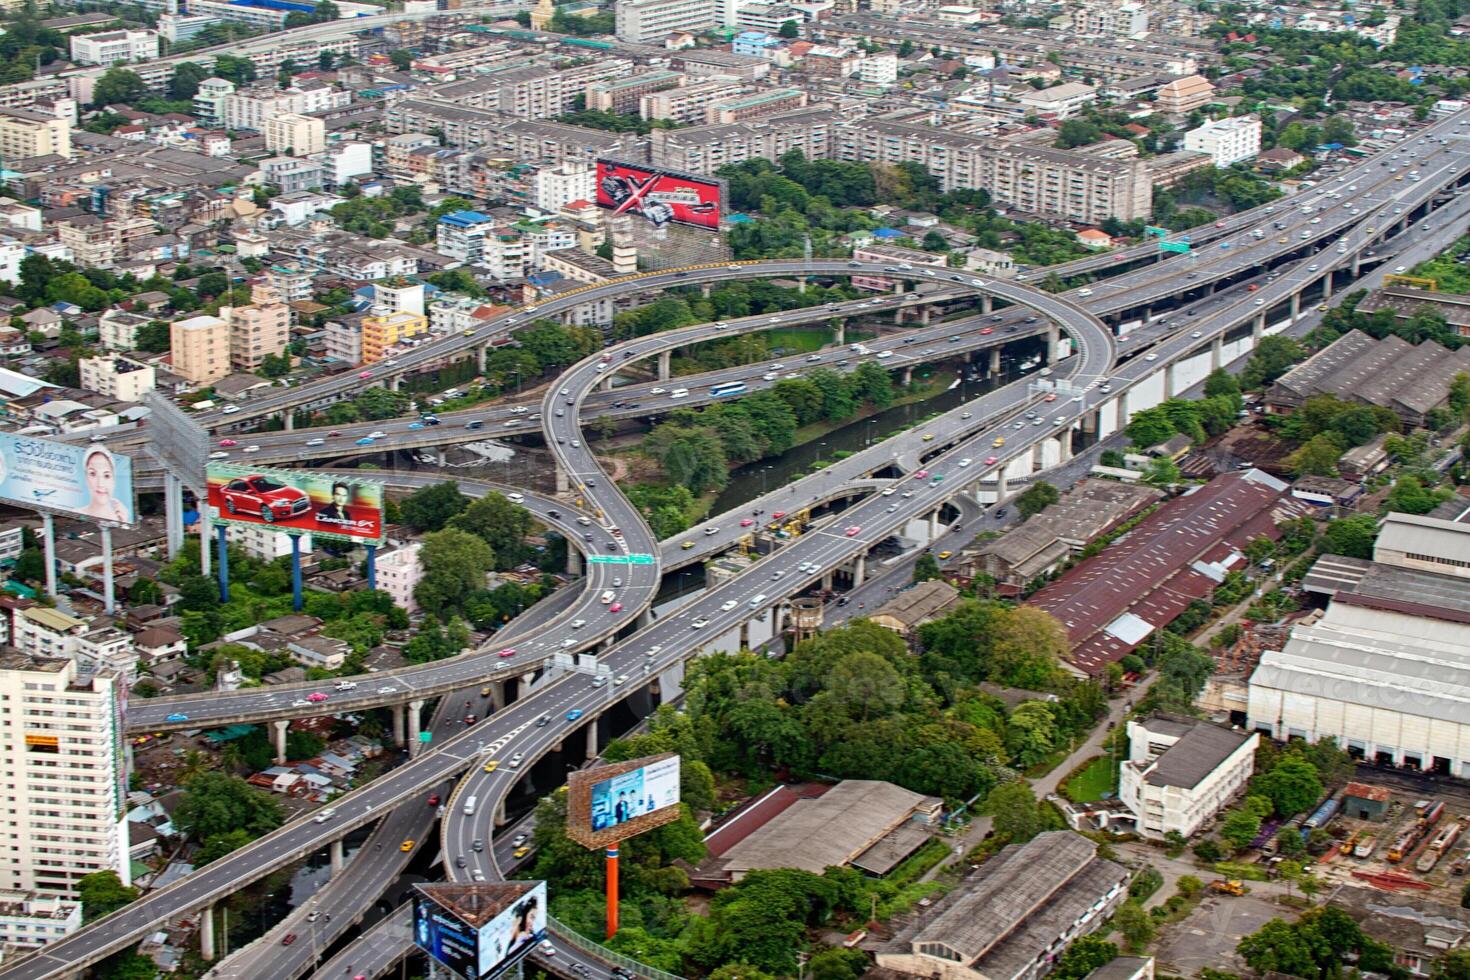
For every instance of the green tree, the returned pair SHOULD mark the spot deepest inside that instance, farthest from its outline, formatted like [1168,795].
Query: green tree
[432,507]
[216,803]
[102,892]
[1134,924]
[1162,472]
[1036,498]
[216,846]
[926,567]
[154,336]
[1017,813]
[1272,358]
[1087,953]
[127,965]
[789,30]
[402,60]
[1279,947]
[500,524]
[1292,785]
[1351,536]
[1410,496]
[118,86]
[1318,456]
[184,84]
[30,566]
[454,564]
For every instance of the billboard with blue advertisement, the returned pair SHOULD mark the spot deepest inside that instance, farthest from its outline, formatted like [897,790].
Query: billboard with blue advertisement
[87,481]
[479,930]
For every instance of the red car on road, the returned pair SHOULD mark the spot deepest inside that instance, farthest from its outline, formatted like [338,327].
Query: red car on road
[508,652]
[269,499]
[987,331]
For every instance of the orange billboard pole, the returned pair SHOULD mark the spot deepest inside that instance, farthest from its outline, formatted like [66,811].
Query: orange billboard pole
[612,890]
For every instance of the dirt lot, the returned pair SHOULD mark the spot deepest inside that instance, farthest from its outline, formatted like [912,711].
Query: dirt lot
[1209,936]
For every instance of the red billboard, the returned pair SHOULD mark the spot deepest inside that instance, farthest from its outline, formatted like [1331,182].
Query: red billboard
[332,504]
[661,196]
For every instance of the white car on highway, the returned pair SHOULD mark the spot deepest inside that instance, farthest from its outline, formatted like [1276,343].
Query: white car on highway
[726,607]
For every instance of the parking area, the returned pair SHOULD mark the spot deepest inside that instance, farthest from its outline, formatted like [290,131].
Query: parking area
[1209,936]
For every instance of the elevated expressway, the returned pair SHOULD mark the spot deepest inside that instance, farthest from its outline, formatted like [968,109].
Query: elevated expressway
[658,646]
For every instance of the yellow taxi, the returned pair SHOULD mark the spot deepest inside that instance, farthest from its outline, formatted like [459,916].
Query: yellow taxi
[999,441]
[406,846]
[521,851]
[928,437]
[687,545]
[944,554]
[492,765]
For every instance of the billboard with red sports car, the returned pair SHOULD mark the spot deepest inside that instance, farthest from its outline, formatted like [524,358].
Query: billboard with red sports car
[661,196]
[332,504]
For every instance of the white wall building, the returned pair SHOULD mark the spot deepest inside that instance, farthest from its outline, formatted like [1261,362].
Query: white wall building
[1181,772]
[398,574]
[645,21]
[11,255]
[342,162]
[263,543]
[113,46]
[879,69]
[1227,141]
[29,919]
[1060,101]
[560,185]
[117,377]
[295,134]
[66,791]
[1427,544]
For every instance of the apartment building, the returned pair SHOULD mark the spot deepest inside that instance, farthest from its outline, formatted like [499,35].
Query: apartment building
[26,133]
[264,543]
[381,332]
[294,134]
[209,100]
[879,69]
[344,340]
[1227,141]
[1122,19]
[398,574]
[291,174]
[556,187]
[93,241]
[110,47]
[688,104]
[117,330]
[650,21]
[117,377]
[529,141]
[622,95]
[253,108]
[540,92]
[1059,101]
[292,281]
[200,348]
[65,780]
[705,149]
[756,105]
[259,330]
[461,236]
[30,919]
[507,253]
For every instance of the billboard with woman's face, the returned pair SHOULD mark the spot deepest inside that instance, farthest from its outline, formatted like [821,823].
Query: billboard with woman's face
[84,481]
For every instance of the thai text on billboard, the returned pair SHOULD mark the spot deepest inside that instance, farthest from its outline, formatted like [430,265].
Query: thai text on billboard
[621,798]
[85,481]
[475,951]
[332,504]
[661,196]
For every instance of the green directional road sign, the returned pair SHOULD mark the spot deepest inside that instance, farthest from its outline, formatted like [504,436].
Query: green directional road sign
[641,559]
[426,737]
[1174,247]
[1159,232]
[607,560]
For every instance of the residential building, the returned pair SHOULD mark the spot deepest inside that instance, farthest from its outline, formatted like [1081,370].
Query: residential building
[110,47]
[200,348]
[118,330]
[755,105]
[11,540]
[398,296]
[381,332]
[559,185]
[1013,917]
[461,236]
[1059,101]
[26,133]
[93,241]
[63,812]
[30,919]
[1184,95]
[507,253]
[253,108]
[291,174]
[259,330]
[398,573]
[533,141]
[263,542]
[534,92]
[1181,772]
[209,100]
[757,44]
[915,606]
[343,162]
[880,68]
[12,254]
[621,95]
[645,21]
[344,340]
[174,28]
[293,134]
[1227,141]
[688,103]
[1124,19]
[292,280]
[117,377]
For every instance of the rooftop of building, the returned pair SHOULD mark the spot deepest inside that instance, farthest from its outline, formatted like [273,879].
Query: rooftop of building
[1391,373]
[1202,747]
[920,603]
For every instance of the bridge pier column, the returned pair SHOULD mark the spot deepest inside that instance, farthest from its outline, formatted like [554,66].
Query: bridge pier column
[1066,443]
[1036,456]
[704,289]
[1327,287]
[1258,328]
[563,481]
[1168,381]
[987,303]
[592,740]
[934,525]
[663,364]
[497,696]
[173,510]
[394,382]
[414,719]
[397,710]
[1296,305]
[1357,264]
[288,420]
[206,933]
[574,561]
[607,383]
[526,680]
[334,853]
[827,582]
[500,818]
[202,496]
[481,352]
[1001,491]
[1053,338]
[994,361]
[278,731]
[840,334]
[859,570]
[1217,352]
[1122,410]
[745,635]
[924,315]
[1092,421]
[778,613]
[645,618]
[908,375]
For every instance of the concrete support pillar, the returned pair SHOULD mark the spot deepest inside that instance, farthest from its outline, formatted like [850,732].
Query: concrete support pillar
[1258,328]
[527,680]
[1001,491]
[278,732]
[397,711]
[288,419]
[934,525]
[1217,352]
[1066,442]
[645,618]
[908,375]
[1122,410]
[205,513]
[607,383]
[394,382]
[1168,381]
[1092,422]
[500,818]
[745,635]
[48,543]
[173,510]
[592,740]
[107,600]
[1327,286]
[924,312]
[994,361]
[840,335]
[859,570]
[415,717]
[563,481]
[497,696]
[987,303]
[663,364]
[1036,457]
[827,582]
[206,933]
[574,560]
[1357,264]
[1296,304]
[481,353]
[334,853]
[1053,338]
[704,289]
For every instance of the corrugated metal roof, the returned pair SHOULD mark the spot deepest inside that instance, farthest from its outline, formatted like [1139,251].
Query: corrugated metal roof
[1425,536]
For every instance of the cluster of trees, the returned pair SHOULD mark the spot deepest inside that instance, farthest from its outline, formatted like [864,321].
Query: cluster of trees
[223,813]
[375,216]
[1209,416]
[1288,781]
[667,509]
[1272,357]
[1323,943]
[1424,324]
[614,122]
[1239,187]
[1325,427]
[697,447]
[26,44]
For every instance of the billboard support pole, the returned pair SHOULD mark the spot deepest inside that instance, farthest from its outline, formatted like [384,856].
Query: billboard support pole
[296,572]
[107,600]
[48,538]
[222,536]
[202,497]
[612,890]
[372,566]
[173,516]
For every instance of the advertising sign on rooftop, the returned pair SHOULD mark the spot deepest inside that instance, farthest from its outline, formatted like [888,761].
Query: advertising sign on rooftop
[661,196]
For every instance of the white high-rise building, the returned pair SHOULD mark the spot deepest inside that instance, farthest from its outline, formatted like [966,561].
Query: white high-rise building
[559,186]
[65,775]
[1227,141]
[645,21]
[110,47]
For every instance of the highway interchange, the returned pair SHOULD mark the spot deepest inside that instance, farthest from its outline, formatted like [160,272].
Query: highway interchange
[515,728]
